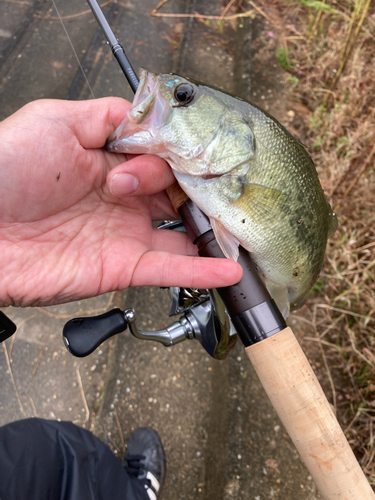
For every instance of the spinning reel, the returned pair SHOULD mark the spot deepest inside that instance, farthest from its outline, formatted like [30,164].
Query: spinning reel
[203,317]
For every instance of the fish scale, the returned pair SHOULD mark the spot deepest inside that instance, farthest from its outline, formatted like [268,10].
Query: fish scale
[244,170]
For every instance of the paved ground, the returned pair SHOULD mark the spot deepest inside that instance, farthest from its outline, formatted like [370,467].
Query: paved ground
[221,435]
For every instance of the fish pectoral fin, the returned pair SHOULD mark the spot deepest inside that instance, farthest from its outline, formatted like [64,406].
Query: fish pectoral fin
[280,295]
[261,202]
[227,242]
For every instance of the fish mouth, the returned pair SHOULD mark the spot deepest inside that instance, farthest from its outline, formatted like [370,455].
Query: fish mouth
[212,176]
[136,143]
[147,84]
[150,110]
[195,180]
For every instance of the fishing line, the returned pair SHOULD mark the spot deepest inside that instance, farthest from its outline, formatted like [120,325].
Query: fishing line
[75,53]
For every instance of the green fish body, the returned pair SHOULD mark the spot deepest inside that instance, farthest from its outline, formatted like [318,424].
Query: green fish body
[244,170]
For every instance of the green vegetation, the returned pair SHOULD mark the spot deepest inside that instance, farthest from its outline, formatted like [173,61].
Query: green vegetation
[282,56]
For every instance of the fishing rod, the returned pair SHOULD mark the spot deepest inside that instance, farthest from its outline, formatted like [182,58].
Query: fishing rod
[117,50]
[271,346]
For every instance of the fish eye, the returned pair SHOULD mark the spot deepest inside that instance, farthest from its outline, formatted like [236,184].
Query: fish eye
[184,94]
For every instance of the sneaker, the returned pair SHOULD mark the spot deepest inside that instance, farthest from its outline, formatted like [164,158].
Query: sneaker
[145,460]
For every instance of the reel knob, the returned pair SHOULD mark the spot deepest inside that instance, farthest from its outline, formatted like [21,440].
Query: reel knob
[83,335]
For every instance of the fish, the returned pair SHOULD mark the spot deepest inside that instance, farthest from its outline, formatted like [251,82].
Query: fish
[256,182]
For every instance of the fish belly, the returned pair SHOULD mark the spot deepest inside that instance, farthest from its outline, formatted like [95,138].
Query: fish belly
[287,256]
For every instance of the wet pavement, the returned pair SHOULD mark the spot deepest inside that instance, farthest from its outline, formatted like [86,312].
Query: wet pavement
[221,435]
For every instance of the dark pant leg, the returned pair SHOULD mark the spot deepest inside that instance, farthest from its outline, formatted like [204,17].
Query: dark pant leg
[50,460]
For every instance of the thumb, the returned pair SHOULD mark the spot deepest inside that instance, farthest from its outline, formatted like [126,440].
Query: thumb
[142,175]
[94,121]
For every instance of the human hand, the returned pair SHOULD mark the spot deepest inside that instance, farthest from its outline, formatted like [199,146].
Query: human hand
[75,220]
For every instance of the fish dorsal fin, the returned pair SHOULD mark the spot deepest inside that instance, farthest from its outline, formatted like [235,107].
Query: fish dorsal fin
[262,202]
[227,242]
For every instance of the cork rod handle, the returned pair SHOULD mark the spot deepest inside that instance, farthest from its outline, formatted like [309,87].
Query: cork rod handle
[176,195]
[298,398]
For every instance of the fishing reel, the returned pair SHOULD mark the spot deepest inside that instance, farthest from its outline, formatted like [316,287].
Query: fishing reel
[203,317]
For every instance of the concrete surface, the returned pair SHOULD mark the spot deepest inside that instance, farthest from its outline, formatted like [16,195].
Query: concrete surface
[221,435]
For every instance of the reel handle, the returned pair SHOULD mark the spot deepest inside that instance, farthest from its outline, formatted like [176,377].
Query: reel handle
[83,335]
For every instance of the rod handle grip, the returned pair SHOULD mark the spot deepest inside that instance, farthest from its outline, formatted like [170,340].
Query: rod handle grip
[177,196]
[302,406]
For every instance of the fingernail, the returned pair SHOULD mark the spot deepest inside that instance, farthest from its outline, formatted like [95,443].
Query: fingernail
[123,184]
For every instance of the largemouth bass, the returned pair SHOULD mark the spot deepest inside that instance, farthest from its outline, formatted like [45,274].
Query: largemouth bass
[244,170]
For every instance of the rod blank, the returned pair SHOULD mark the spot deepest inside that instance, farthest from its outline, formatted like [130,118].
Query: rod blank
[116,48]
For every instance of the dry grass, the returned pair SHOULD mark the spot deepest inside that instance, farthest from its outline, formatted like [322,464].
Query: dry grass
[340,135]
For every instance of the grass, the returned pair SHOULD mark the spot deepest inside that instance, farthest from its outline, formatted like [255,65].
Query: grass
[282,55]
[332,73]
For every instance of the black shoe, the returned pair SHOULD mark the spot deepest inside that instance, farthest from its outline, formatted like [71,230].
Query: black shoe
[145,460]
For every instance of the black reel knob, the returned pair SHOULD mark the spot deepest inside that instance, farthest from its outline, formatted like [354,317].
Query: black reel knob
[83,335]
[7,327]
